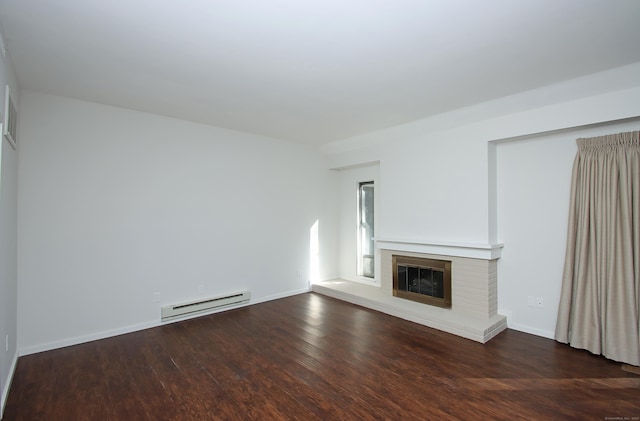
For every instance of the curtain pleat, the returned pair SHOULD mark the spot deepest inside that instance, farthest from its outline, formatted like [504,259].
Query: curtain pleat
[600,298]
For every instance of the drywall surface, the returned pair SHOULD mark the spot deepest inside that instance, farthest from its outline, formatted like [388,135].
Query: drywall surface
[122,212]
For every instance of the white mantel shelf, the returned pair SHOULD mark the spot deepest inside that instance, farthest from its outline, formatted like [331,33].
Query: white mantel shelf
[445,248]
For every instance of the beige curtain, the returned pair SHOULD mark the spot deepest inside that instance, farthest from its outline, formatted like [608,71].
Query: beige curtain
[600,299]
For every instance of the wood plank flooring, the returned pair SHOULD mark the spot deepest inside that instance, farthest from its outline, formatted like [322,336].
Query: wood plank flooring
[311,357]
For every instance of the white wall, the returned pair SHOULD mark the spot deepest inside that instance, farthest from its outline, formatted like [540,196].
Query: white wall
[348,183]
[443,177]
[8,240]
[534,182]
[435,188]
[116,205]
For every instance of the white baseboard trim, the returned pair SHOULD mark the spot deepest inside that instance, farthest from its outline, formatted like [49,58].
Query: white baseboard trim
[532,330]
[7,385]
[27,350]
[48,346]
[281,295]
[234,306]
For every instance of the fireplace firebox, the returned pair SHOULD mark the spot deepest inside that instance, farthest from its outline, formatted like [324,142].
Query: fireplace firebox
[427,281]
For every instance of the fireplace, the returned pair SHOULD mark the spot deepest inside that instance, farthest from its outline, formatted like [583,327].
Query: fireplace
[424,280]
[471,311]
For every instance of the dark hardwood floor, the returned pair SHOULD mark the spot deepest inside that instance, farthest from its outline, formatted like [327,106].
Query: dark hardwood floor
[312,357]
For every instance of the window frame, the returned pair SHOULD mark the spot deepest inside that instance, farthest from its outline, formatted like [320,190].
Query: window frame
[360,255]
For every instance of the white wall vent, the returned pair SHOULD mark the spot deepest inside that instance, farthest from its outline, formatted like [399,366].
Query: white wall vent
[200,306]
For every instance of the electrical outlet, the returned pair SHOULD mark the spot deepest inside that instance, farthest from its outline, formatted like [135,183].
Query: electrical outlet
[156,297]
[531,301]
[539,302]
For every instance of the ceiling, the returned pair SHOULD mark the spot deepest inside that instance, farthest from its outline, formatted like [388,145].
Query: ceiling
[311,71]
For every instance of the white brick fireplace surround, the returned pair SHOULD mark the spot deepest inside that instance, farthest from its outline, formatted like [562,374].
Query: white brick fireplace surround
[473,313]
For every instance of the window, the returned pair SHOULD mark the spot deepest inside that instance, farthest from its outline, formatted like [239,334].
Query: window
[366,250]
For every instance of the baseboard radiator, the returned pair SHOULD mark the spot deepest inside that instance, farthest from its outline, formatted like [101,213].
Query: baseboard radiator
[201,306]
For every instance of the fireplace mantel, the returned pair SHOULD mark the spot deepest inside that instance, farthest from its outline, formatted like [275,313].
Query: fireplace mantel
[445,248]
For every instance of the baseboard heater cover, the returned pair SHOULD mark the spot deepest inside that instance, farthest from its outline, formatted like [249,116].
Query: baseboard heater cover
[200,306]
